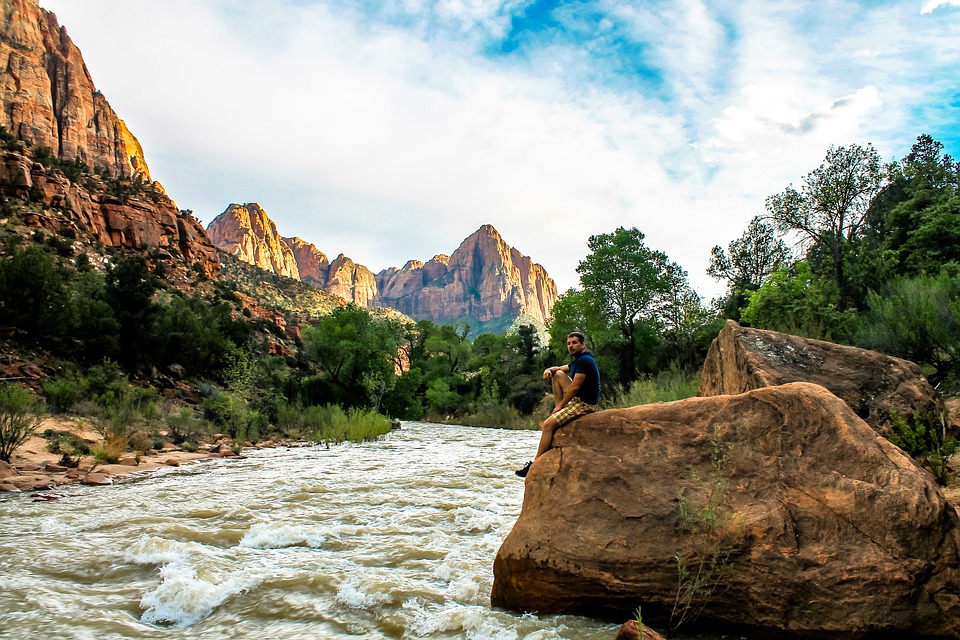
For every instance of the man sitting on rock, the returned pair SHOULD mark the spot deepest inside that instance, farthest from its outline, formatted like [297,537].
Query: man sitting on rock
[576,391]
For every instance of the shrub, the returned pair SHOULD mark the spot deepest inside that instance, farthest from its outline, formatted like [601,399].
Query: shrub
[140,442]
[185,425]
[19,418]
[119,417]
[921,438]
[61,394]
[68,445]
[496,414]
[712,531]
[290,420]
[331,424]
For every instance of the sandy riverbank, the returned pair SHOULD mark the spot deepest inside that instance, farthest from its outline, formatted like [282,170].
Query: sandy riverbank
[34,468]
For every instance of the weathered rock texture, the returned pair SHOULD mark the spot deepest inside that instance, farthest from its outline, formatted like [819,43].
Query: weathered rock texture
[139,222]
[313,264]
[49,98]
[830,529]
[343,277]
[483,279]
[872,384]
[245,230]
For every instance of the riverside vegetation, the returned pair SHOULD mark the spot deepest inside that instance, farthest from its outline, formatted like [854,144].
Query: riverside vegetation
[861,254]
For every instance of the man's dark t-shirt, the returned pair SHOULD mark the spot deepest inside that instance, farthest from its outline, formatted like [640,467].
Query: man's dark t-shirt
[589,391]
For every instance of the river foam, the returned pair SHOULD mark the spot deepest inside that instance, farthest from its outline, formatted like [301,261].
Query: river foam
[391,539]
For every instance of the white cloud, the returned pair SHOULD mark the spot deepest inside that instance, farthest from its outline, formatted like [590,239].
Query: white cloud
[395,140]
[932,5]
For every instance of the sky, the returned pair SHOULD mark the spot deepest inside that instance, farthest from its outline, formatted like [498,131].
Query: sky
[392,130]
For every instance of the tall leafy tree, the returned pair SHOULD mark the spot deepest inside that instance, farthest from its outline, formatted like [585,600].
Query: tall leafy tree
[354,352]
[829,210]
[747,263]
[915,220]
[129,291]
[629,280]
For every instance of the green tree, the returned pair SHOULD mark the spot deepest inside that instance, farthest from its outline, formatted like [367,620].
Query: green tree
[794,300]
[829,211]
[34,295]
[354,353]
[129,291]
[630,281]
[914,222]
[747,263]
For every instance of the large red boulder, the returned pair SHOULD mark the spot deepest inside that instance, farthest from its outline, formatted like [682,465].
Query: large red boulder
[820,526]
[874,385]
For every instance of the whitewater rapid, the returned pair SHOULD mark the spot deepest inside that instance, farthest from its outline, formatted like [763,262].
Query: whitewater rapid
[390,539]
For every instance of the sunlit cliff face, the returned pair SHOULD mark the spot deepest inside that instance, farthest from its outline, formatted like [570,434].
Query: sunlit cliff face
[484,278]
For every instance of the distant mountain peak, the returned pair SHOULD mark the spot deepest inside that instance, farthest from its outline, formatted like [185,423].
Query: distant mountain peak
[484,279]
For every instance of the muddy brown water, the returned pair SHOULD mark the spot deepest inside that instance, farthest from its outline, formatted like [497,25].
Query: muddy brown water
[392,539]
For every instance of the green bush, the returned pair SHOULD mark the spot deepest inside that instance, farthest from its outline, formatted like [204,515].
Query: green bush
[19,418]
[69,446]
[61,394]
[185,425]
[921,438]
[290,420]
[331,424]
[491,413]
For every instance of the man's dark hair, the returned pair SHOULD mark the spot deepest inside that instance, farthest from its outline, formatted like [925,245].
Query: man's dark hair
[579,336]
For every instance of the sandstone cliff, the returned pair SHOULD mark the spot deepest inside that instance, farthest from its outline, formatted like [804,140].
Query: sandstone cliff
[484,279]
[246,232]
[132,223]
[49,99]
[313,264]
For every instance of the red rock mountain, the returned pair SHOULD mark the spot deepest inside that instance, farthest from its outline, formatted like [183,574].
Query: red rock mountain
[484,279]
[246,232]
[49,100]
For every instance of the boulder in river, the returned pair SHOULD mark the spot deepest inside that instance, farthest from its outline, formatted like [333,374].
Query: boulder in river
[805,520]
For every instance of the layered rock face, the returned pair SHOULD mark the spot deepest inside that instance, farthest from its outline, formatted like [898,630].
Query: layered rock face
[245,230]
[49,98]
[484,279]
[343,277]
[313,265]
[135,223]
[872,384]
[822,529]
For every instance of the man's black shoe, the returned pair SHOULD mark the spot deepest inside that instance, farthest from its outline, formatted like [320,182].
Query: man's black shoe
[523,472]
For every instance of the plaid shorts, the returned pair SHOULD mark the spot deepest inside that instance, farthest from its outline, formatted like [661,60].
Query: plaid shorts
[573,410]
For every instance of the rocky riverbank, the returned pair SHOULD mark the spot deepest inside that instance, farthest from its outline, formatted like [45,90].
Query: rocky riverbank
[34,468]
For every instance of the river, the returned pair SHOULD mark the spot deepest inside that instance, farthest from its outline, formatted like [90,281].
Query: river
[389,539]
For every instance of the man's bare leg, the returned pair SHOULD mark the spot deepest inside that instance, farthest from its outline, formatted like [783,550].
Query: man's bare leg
[547,427]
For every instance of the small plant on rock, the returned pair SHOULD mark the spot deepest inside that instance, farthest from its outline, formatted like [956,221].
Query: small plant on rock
[702,570]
